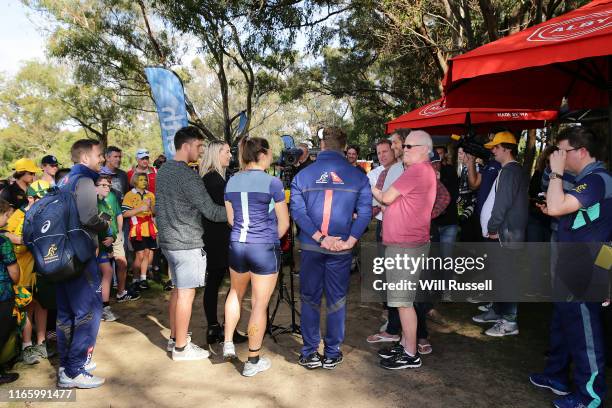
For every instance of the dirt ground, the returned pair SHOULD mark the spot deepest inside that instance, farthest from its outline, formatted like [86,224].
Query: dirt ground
[466,368]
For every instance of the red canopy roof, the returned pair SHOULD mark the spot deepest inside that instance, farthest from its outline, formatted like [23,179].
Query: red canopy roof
[440,120]
[537,67]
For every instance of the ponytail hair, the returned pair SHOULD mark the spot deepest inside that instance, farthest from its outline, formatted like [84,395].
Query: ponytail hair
[250,148]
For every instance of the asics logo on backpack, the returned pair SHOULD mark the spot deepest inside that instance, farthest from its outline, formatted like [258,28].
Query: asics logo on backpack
[46,226]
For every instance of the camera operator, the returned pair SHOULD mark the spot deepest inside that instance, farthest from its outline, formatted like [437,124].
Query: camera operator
[585,213]
[304,160]
[324,198]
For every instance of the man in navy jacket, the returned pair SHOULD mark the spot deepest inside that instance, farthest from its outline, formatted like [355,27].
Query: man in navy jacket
[325,197]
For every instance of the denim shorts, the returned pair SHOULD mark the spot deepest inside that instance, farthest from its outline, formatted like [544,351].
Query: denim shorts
[261,259]
[187,267]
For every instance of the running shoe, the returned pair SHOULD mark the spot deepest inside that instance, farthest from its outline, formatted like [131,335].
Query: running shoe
[250,369]
[311,361]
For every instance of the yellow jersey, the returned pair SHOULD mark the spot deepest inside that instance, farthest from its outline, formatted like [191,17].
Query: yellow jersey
[141,224]
[25,260]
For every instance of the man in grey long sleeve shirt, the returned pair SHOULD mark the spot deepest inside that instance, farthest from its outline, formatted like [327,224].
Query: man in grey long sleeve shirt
[182,200]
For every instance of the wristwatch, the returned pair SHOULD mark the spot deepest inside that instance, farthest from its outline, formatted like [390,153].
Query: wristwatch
[554,175]
[321,239]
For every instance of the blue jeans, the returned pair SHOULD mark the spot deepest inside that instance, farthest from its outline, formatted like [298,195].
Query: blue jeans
[507,310]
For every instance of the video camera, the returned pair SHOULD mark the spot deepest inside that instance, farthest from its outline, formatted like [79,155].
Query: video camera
[290,154]
[472,146]
[289,157]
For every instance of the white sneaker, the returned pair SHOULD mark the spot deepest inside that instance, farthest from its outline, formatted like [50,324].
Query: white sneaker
[190,353]
[251,369]
[170,345]
[503,328]
[89,367]
[83,380]
[108,315]
[229,350]
[487,317]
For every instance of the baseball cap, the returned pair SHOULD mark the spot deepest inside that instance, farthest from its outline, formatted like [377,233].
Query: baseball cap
[26,165]
[142,153]
[50,159]
[39,189]
[501,137]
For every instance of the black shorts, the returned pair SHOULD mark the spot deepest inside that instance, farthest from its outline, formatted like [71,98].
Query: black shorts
[144,243]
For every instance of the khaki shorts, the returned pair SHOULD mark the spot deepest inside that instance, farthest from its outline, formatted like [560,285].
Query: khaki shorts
[404,297]
[118,248]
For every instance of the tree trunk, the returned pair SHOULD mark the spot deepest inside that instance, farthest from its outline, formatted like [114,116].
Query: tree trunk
[104,135]
[490,19]
[530,149]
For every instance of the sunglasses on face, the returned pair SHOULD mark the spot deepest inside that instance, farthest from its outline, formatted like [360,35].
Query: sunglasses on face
[409,146]
[104,185]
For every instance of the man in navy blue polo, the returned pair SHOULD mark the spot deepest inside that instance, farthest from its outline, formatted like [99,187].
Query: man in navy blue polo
[585,217]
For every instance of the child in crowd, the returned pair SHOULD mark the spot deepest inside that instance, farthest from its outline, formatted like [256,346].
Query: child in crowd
[9,275]
[109,212]
[32,351]
[138,205]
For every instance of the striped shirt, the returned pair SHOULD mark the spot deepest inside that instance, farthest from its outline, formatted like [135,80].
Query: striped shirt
[252,194]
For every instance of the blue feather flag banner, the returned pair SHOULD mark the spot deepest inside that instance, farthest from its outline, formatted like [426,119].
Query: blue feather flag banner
[169,97]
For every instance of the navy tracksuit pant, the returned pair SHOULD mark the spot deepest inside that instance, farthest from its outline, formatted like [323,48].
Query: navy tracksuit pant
[79,310]
[330,274]
[576,336]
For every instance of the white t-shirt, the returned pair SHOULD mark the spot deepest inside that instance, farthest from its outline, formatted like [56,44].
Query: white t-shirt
[487,209]
[393,174]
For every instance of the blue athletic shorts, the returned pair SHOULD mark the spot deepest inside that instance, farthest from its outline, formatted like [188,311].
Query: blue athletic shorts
[261,259]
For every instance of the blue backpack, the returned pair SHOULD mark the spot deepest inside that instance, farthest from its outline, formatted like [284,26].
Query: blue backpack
[53,233]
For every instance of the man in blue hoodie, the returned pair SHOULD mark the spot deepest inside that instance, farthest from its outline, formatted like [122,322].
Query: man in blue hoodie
[79,301]
[324,198]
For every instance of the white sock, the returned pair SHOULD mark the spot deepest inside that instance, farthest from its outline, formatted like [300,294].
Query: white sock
[121,294]
[24,345]
[143,277]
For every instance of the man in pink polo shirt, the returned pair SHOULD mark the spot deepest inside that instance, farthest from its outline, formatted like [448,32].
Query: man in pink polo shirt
[410,201]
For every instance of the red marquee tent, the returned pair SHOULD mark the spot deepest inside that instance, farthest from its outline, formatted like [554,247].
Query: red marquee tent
[440,120]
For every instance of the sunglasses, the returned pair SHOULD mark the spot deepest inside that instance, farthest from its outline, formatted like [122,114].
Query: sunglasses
[104,185]
[409,146]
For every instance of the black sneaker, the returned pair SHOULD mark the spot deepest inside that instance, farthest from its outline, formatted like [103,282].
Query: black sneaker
[391,351]
[6,378]
[214,334]
[129,295]
[168,286]
[238,337]
[143,285]
[311,362]
[331,363]
[401,361]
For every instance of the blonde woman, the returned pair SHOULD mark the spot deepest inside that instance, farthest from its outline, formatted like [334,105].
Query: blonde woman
[215,162]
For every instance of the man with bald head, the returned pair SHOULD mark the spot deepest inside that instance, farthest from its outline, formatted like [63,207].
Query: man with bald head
[406,224]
